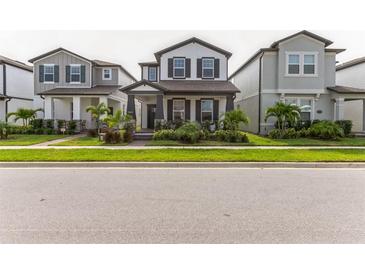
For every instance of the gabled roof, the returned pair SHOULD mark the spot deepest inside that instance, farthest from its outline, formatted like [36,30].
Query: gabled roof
[11,62]
[303,32]
[351,63]
[55,51]
[193,40]
[144,83]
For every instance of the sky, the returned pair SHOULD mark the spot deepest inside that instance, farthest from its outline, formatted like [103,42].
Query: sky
[128,48]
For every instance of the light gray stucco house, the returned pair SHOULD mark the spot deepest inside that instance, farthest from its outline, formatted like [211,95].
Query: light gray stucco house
[188,81]
[69,83]
[298,69]
[16,87]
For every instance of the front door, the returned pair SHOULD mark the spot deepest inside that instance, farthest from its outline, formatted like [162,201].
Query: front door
[151,110]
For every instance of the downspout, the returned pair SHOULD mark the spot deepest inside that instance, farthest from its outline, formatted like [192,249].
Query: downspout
[260,89]
[6,109]
[4,92]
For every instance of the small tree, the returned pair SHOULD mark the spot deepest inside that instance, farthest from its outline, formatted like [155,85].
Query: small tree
[284,114]
[233,118]
[97,112]
[116,119]
[25,114]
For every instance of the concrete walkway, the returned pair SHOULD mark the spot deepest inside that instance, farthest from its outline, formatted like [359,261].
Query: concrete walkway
[48,143]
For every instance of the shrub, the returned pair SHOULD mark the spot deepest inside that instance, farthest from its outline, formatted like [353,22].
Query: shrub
[303,132]
[48,131]
[4,130]
[49,123]
[346,126]
[232,119]
[39,131]
[37,124]
[112,137]
[188,132]
[289,133]
[232,136]
[165,134]
[275,134]
[92,133]
[71,127]
[326,130]
[206,134]
[129,131]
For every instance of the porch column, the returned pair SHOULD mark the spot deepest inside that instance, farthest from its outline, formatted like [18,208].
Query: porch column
[103,99]
[340,111]
[131,108]
[48,107]
[159,108]
[229,103]
[363,115]
[76,108]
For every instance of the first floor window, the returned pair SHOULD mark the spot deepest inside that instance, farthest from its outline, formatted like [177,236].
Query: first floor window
[152,74]
[75,73]
[178,110]
[208,67]
[49,73]
[305,106]
[107,74]
[293,64]
[179,68]
[207,110]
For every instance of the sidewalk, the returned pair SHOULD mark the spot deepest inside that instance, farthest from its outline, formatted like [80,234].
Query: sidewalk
[68,138]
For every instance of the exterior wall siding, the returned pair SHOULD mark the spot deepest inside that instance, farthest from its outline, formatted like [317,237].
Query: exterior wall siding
[98,77]
[19,82]
[352,76]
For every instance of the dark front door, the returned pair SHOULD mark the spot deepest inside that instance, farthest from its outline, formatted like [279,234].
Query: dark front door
[151,110]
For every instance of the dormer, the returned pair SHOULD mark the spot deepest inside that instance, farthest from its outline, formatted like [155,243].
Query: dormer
[150,71]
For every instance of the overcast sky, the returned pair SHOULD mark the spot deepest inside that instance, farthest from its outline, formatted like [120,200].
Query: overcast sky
[130,47]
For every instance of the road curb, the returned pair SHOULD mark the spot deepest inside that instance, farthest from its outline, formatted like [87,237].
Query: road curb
[182,165]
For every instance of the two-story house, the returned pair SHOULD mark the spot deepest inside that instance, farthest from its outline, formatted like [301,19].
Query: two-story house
[299,69]
[69,83]
[16,87]
[188,81]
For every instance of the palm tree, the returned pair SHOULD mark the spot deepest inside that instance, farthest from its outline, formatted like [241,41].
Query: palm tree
[233,118]
[284,114]
[117,119]
[25,114]
[97,112]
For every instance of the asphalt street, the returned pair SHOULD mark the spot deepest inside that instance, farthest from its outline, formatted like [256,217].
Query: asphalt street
[182,205]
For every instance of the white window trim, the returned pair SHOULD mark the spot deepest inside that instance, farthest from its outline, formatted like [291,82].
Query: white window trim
[75,65]
[301,63]
[207,58]
[110,73]
[173,67]
[298,99]
[201,109]
[148,72]
[44,74]
[173,109]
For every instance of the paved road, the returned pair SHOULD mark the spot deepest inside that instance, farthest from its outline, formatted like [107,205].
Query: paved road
[126,205]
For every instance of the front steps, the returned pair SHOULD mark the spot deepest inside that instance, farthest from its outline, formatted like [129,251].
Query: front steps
[143,136]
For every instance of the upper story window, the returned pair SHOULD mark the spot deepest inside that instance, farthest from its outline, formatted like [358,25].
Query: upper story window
[49,73]
[179,68]
[178,110]
[206,110]
[107,74]
[152,74]
[208,67]
[301,64]
[75,73]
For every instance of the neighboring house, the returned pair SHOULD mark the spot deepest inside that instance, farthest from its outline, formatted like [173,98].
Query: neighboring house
[69,83]
[352,74]
[188,81]
[16,87]
[299,69]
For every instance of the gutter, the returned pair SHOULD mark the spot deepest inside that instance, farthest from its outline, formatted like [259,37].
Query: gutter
[260,89]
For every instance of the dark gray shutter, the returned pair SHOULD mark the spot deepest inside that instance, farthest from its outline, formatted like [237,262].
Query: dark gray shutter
[68,74]
[215,110]
[187,110]
[198,111]
[199,68]
[41,73]
[216,68]
[170,68]
[187,68]
[169,110]
[83,69]
[56,73]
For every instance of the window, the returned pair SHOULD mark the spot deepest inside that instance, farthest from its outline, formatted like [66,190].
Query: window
[75,73]
[309,64]
[107,74]
[293,64]
[48,73]
[178,110]
[305,106]
[208,67]
[207,110]
[179,68]
[152,74]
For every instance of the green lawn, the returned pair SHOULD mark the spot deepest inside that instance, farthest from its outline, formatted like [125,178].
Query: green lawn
[184,155]
[86,141]
[26,140]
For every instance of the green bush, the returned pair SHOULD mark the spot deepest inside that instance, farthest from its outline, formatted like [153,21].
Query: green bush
[165,134]
[39,131]
[289,133]
[188,132]
[48,131]
[232,136]
[49,123]
[71,127]
[326,130]
[37,124]
[346,126]
[129,131]
[112,137]
[4,130]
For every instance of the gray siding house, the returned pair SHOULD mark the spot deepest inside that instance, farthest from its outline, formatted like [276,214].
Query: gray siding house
[69,83]
[299,69]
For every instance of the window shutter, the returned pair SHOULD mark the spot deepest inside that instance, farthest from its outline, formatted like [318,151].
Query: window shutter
[169,110]
[199,68]
[187,110]
[41,73]
[56,73]
[68,74]
[187,68]
[215,110]
[83,69]
[198,111]
[170,68]
[216,68]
